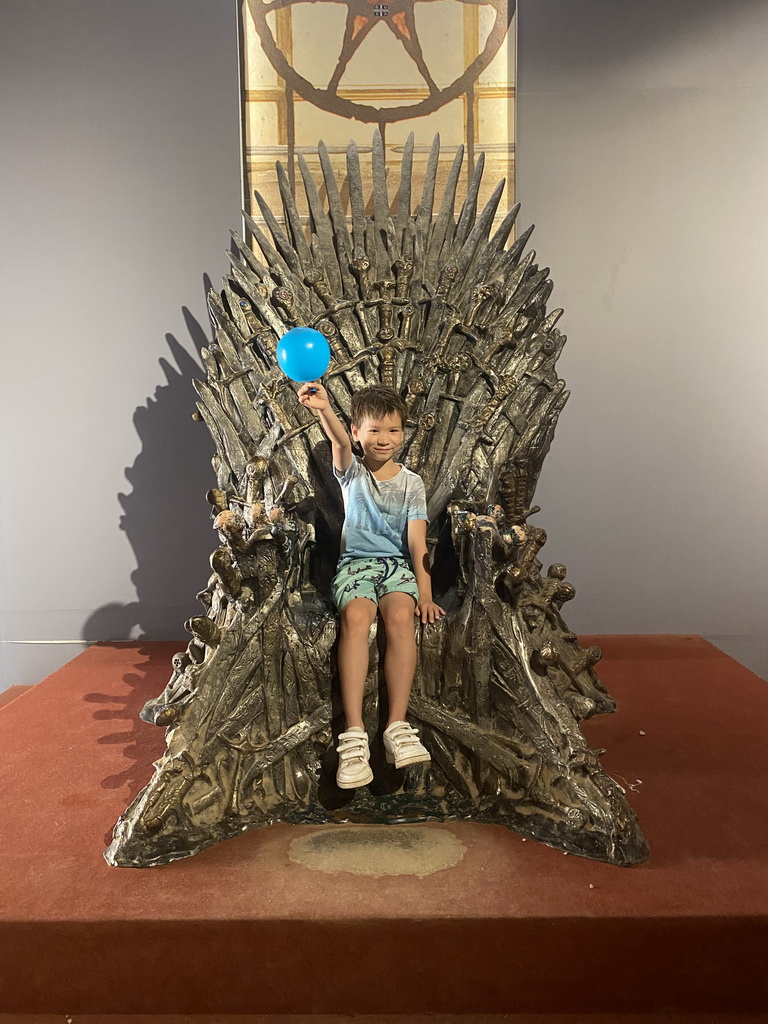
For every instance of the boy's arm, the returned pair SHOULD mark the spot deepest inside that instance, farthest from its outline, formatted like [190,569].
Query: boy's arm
[314,396]
[417,545]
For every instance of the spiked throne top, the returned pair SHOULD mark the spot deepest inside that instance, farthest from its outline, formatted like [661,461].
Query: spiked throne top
[426,300]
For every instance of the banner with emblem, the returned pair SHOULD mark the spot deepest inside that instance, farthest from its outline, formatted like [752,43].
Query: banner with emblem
[339,69]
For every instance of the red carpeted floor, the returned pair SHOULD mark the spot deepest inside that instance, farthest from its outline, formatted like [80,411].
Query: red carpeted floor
[514,927]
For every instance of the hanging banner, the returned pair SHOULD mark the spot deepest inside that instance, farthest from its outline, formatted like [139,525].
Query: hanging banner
[339,69]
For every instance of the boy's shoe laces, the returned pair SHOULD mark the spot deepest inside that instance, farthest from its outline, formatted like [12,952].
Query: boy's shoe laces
[353,746]
[354,769]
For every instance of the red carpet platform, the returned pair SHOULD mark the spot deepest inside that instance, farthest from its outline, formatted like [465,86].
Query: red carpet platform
[512,927]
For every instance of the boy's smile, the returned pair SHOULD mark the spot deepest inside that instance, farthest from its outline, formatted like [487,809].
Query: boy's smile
[380,438]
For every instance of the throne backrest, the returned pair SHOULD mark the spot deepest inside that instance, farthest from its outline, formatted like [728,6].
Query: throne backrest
[428,301]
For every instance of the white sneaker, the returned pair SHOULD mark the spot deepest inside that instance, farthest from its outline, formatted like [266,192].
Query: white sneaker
[354,769]
[403,746]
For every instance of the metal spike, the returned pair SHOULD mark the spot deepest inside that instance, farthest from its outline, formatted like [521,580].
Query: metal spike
[247,253]
[321,227]
[218,313]
[524,291]
[272,256]
[488,262]
[513,253]
[257,285]
[293,218]
[424,216]
[233,449]
[379,174]
[235,314]
[404,195]
[502,232]
[243,269]
[282,243]
[356,200]
[480,230]
[444,224]
[551,320]
[469,206]
[338,220]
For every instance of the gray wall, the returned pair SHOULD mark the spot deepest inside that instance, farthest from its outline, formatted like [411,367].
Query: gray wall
[642,139]
[120,160]
[643,142]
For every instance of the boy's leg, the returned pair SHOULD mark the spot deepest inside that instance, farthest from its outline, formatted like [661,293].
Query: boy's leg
[356,616]
[400,660]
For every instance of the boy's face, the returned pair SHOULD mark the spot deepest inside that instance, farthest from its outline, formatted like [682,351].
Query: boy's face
[379,437]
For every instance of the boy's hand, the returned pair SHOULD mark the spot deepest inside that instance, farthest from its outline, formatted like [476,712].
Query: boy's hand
[428,611]
[313,395]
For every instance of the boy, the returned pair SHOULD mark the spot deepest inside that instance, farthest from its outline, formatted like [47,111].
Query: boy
[383,568]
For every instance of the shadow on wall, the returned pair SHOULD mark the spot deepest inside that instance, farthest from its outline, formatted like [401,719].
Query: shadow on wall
[165,515]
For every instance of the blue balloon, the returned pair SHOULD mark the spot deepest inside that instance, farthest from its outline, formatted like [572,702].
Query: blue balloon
[303,354]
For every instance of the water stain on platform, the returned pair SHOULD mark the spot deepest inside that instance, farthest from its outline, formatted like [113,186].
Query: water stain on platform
[377,850]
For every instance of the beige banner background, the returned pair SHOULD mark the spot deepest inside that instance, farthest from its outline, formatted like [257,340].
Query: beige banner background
[338,69]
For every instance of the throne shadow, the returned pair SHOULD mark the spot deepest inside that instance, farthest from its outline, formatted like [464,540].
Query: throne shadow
[164,513]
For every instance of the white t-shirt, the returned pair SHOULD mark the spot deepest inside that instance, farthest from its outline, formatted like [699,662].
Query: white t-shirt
[377,512]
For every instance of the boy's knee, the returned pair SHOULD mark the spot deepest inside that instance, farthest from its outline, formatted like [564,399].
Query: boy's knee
[400,617]
[357,617]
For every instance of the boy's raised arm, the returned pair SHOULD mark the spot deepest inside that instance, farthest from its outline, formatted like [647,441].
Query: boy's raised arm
[314,396]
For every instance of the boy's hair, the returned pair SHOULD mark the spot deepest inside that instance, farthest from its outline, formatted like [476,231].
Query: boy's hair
[377,401]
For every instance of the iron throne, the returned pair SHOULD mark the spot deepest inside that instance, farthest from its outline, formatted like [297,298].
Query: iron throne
[433,306]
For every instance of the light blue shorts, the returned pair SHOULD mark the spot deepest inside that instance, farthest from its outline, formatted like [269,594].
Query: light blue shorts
[372,578]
